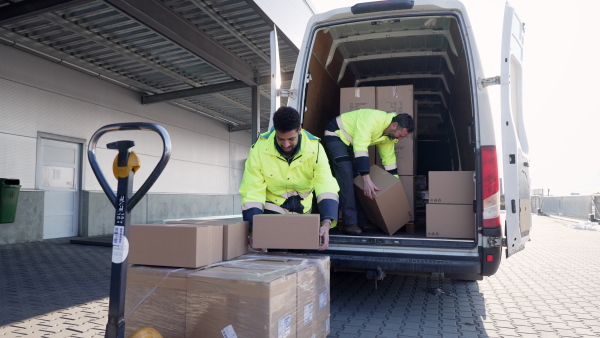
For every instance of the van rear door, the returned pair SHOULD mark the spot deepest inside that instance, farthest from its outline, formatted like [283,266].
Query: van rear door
[514,138]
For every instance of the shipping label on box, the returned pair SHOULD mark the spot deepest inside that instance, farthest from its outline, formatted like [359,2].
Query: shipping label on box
[451,187]
[355,98]
[395,99]
[291,231]
[450,221]
[390,210]
[176,245]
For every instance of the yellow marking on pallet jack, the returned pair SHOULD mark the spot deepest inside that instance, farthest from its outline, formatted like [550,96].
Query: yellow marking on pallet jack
[146,332]
[133,163]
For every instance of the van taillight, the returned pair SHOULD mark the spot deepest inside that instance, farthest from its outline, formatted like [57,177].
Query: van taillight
[381,6]
[491,187]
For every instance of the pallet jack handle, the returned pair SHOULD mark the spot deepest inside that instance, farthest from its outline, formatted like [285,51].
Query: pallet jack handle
[153,176]
[124,167]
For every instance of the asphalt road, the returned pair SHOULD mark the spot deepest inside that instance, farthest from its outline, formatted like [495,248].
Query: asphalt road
[56,289]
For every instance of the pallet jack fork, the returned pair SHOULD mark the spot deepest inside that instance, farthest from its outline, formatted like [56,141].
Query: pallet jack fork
[124,167]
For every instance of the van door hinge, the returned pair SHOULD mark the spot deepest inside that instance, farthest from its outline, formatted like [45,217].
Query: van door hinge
[495,242]
[482,83]
[291,93]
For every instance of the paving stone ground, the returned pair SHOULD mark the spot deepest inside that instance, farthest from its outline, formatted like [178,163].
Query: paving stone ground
[56,289]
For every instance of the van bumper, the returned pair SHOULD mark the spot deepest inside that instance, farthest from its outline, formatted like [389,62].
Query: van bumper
[446,265]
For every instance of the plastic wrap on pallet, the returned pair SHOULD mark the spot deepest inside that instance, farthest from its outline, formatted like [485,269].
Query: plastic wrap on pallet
[255,295]
[313,288]
[156,297]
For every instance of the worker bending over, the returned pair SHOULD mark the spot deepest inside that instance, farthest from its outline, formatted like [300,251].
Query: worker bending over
[347,138]
[284,167]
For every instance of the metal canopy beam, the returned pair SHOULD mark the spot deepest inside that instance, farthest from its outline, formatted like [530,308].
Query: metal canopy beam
[221,87]
[146,99]
[30,8]
[162,19]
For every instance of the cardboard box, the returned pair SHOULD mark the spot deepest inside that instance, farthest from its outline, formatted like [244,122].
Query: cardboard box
[235,235]
[235,240]
[176,245]
[355,98]
[390,210]
[156,297]
[395,99]
[291,231]
[313,290]
[451,187]
[405,156]
[408,185]
[450,221]
[226,300]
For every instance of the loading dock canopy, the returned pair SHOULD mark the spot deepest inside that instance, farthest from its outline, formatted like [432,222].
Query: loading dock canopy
[208,56]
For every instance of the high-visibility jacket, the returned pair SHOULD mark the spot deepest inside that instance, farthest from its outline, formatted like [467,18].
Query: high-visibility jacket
[269,180]
[363,128]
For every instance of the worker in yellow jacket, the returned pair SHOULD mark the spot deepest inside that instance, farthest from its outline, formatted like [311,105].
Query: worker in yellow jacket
[347,138]
[285,166]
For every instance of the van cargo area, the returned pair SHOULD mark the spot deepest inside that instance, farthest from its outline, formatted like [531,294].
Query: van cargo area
[426,56]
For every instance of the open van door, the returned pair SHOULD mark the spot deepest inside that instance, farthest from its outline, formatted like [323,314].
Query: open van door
[275,76]
[515,148]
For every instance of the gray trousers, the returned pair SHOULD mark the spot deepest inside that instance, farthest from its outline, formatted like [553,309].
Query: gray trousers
[341,159]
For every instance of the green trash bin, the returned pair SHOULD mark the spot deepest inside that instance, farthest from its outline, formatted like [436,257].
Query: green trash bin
[9,196]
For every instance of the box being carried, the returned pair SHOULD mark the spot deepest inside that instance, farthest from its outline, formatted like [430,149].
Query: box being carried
[292,231]
[390,210]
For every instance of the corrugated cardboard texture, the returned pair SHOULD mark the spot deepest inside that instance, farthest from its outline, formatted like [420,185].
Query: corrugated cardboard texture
[451,187]
[254,302]
[409,186]
[405,155]
[286,231]
[313,289]
[176,245]
[156,297]
[395,99]
[450,220]
[355,98]
[235,240]
[390,210]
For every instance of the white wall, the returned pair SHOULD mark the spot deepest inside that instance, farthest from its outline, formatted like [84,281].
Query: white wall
[37,95]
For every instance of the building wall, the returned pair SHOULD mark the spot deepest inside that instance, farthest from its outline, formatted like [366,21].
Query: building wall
[40,96]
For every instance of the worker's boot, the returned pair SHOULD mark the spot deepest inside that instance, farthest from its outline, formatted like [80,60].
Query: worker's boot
[368,227]
[352,230]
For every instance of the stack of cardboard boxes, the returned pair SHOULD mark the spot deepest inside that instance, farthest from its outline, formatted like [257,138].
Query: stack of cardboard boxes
[197,280]
[450,212]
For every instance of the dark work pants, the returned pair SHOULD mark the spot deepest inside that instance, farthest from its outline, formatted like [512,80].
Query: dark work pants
[341,159]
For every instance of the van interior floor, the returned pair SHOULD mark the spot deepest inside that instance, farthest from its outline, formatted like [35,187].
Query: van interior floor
[419,232]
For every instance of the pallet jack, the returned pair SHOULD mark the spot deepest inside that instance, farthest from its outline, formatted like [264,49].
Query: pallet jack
[125,165]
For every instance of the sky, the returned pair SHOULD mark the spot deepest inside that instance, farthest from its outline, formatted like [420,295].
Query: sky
[561,80]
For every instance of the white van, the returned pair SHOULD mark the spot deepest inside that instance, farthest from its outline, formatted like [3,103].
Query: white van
[430,45]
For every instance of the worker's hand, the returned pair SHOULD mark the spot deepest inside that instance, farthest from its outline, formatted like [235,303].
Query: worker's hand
[369,187]
[250,243]
[324,233]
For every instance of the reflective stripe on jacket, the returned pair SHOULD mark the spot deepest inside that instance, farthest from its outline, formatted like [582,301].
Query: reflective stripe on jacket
[269,178]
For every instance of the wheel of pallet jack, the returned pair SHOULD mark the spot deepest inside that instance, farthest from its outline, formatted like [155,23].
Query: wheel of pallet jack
[146,332]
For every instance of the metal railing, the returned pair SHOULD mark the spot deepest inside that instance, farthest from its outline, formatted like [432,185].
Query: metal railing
[569,206]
